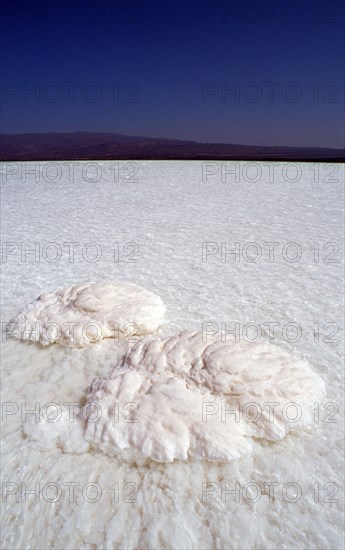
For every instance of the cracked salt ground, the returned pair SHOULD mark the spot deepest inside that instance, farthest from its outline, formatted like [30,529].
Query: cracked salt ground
[171,510]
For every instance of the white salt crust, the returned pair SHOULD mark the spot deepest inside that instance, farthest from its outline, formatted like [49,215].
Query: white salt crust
[83,314]
[171,512]
[172,398]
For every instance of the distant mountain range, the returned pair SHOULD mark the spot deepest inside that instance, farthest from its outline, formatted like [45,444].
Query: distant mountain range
[103,146]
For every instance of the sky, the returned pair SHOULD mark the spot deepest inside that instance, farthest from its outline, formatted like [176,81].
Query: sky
[262,72]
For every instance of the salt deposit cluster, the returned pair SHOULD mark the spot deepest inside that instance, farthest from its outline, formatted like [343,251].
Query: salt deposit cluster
[83,314]
[200,399]
[188,395]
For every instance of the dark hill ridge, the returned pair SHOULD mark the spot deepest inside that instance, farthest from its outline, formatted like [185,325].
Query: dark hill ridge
[103,146]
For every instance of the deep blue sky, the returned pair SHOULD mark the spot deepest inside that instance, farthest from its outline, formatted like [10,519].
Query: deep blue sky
[176,59]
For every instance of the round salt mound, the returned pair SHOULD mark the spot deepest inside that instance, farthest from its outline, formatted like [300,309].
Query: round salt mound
[83,314]
[171,398]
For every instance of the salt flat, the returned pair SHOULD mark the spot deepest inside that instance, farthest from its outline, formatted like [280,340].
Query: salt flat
[225,251]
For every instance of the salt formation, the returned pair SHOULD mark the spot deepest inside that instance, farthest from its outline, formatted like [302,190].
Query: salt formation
[83,314]
[171,398]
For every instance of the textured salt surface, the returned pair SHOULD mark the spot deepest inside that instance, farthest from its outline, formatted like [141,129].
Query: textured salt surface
[180,389]
[83,314]
[169,213]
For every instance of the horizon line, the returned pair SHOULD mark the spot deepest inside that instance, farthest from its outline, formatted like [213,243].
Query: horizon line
[91,132]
